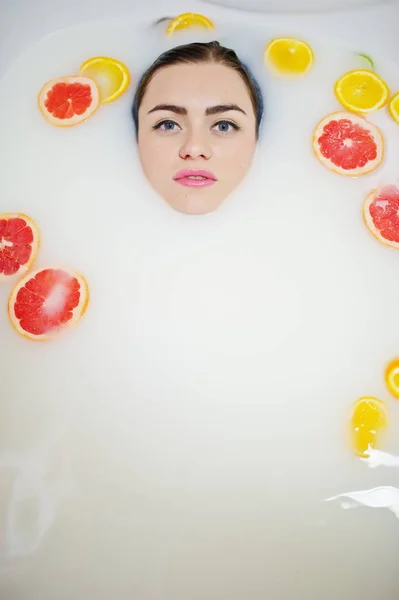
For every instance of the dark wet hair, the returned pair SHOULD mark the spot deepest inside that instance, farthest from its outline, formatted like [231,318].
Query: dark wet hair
[200,52]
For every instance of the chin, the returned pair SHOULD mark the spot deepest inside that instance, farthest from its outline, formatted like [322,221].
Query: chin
[195,204]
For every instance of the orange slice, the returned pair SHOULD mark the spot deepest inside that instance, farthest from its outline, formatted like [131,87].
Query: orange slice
[381,215]
[392,377]
[188,20]
[369,418]
[348,144]
[19,244]
[69,100]
[361,91]
[289,56]
[393,107]
[111,76]
[47,301]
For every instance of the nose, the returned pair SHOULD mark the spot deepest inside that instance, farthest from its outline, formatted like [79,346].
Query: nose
[195,146]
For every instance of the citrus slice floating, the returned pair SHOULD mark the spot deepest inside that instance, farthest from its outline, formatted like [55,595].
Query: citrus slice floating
[392,377]
[368,60]
[381,214]
[393,107]
[69,100]
[47,301]
[19,244]
[289,56]
[369,418]
[348,144]
[188,20]
[361,91]
[111,76]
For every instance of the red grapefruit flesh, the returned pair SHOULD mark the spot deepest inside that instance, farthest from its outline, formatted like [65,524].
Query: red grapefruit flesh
[69,100]
[381,214]
[348,144]
[19,243]
[46,302]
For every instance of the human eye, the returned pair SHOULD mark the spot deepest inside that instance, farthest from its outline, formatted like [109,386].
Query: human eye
[225,126]
[167,125]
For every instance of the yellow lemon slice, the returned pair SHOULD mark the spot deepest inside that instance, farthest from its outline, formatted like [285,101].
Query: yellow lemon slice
[289,56]
[361,91]
[111,76]
[369,418]
[393,107]
[187,20]
[392,377]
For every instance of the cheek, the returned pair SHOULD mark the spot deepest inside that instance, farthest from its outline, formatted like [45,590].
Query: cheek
[155,154]
[236,153]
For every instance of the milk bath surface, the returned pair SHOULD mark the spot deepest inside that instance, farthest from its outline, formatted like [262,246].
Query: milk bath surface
[181,442]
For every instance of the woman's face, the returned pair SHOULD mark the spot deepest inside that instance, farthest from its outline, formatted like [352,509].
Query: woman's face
[197,134]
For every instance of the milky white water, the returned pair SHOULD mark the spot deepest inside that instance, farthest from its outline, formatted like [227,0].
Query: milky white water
[180,443]
[381,497]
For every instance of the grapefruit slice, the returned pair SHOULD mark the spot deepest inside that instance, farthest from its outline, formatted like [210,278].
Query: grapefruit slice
[19,244]
[69,100]
[348,144]
[381,214]
[289,56]
[369,419]
[362,91]
[188,20]
[47,301]
[111,76]
[392,377]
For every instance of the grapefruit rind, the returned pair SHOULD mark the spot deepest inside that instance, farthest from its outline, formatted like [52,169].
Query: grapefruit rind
[188,20]
[367,428]
[34,245]
[78,312]
[370,223]
[94,65]
[343,83]
[76,119]
[373,129]
[391,375]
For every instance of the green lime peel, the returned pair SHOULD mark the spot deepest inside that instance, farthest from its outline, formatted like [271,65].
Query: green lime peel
[368,60]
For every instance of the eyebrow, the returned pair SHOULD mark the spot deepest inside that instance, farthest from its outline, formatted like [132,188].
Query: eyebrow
[221,108]
[211,110]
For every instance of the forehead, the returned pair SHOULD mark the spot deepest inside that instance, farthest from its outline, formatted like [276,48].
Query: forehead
[197,85]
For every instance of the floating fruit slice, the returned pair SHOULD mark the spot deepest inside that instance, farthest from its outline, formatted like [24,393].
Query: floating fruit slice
[46,301]
[361,91]
[393,107]
[381,214]
[369,61]
[289,56]
[111,76]
[369,419]
[19,243]
[187,20]
[69,100]
[392,377]
[348,144]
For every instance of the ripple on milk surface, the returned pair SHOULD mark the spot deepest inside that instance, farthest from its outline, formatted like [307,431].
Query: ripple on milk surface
[207,387]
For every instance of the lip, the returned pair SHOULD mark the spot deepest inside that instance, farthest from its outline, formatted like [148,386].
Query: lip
[184,178]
